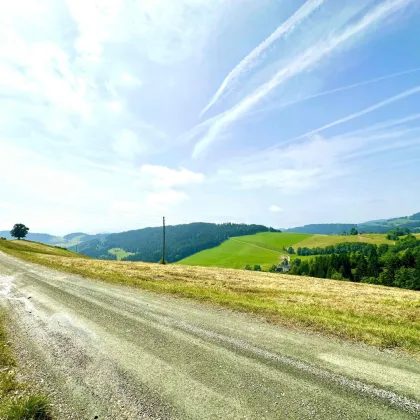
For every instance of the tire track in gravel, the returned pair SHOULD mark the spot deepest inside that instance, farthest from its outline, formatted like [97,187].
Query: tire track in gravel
[118,353]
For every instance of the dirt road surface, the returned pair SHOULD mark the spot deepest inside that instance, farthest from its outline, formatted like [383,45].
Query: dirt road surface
[119,353]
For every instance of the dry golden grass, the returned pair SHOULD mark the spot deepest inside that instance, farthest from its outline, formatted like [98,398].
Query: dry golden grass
[17,247]
[376,315]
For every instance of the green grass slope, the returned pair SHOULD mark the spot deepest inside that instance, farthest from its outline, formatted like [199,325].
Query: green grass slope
[264,249]
[322,241]
[29,248]
[119,253]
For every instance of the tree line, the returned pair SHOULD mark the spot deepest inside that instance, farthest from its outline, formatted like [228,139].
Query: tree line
[388,265]
[343,248]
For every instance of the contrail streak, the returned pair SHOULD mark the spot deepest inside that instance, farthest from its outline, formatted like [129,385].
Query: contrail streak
[304,12]
[370,133]
[301,63]
[365,111]
[340,89]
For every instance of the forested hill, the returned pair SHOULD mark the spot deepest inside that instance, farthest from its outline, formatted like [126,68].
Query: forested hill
[376,226]
[181,241]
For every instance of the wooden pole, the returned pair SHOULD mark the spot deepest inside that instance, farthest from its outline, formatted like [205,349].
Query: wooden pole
[164,242]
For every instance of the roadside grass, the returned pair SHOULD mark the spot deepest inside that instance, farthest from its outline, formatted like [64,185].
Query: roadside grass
[18,247]
[15,402]
[376,315]
[325,240]
[264,249]
[119,253]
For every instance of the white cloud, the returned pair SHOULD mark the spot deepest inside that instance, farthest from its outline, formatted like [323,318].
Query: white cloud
[127,144]
[164,177]
[317,159]
[165,199]
[275,209]
[301,62]
[130,80]
[160,182]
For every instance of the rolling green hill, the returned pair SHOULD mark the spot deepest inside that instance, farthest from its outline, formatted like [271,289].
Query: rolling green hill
[181,241]
[264,249]
[322,241]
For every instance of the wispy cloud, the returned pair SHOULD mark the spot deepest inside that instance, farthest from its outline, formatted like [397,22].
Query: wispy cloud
[162,176]
[310,163]
[275,209]
[358,114]
[337,90]
[303,62]
[249,61]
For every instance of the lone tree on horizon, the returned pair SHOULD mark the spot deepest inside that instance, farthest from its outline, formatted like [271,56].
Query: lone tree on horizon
[19,231]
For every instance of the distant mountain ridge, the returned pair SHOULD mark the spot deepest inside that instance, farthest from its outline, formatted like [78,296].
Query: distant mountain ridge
[375,226]
[63,241]
[44,238]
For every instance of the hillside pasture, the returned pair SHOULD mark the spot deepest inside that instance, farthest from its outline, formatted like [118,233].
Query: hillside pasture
[322,241]
[274,240]
[119,253]
[264,249]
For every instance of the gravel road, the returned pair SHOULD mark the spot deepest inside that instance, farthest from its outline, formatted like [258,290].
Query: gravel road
[112,352]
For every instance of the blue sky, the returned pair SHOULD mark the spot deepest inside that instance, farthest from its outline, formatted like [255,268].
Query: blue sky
[283,112]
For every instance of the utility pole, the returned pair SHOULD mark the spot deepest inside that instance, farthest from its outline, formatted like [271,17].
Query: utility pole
[164,242]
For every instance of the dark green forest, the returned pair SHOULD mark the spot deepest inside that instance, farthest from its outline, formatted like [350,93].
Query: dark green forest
[181,241]
[388,265]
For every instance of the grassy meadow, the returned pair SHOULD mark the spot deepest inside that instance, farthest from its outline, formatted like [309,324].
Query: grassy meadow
[119,253]
[375,315]
[322,241]
[264,249]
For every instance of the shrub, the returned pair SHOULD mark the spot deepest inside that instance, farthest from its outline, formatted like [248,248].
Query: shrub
[337,276]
